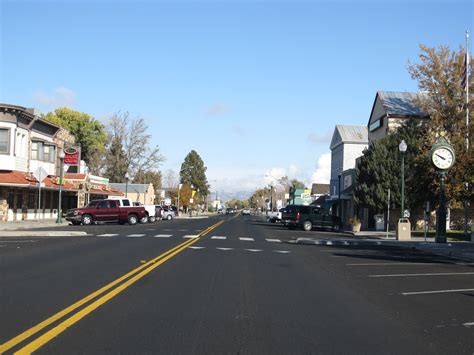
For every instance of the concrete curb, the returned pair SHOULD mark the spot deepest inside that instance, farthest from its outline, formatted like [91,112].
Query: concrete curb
[420,246]
[42,234]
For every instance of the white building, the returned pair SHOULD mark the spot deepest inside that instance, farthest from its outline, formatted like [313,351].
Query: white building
[347,144]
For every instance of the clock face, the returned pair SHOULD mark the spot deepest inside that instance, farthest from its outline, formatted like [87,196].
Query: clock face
[442,158]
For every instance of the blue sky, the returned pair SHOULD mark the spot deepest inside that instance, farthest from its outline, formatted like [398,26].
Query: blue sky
[254,87]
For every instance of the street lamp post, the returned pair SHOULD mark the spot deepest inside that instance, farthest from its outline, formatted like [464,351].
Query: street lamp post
[126,184]
[339,207]
[403,148]
[271,198]
[179,188]
[61,159]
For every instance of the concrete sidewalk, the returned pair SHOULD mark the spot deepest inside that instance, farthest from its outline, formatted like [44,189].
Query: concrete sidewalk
[458,250]
[31,224]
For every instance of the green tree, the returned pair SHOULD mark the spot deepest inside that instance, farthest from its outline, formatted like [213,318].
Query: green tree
[116,165]
[297,184]
[193,172]
[378,171]
[88,132]
[439,74]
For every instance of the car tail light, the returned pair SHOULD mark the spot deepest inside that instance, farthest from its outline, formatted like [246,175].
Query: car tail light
[298,216]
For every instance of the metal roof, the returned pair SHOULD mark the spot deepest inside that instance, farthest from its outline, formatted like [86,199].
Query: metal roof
[132,188]
[349,134]
[401,103]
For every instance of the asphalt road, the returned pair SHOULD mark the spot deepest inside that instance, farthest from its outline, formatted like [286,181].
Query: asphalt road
[236,289]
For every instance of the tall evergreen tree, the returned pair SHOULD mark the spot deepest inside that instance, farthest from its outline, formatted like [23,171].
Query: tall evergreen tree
[193,172]
[116,165]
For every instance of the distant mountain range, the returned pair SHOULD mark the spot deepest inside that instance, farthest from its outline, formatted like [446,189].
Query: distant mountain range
[226,196]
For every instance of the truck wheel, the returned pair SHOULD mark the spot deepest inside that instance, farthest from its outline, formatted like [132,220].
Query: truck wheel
[169,217]
[307,226]
[144,220]
[152,219]
[336,228]
[87,220]
[132,219]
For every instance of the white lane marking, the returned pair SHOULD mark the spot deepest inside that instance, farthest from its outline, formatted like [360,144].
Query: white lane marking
[282,251]
[393,263]
[218,237]
[182,230]
[163,235]
[436,291]
[428,274]
[152,229]
[19,241]
[254,250]
[135,235]
[108,235]
[469,324]
[196,247]
[191,236]
[273,240]
[247,239]
[225,248]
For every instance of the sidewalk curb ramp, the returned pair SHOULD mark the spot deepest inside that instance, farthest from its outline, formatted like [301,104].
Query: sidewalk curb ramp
[24,233]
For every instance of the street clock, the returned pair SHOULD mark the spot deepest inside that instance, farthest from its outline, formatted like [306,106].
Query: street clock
[442,155]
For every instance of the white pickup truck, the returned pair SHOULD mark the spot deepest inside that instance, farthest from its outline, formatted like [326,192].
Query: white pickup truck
[149,209]
[274,216]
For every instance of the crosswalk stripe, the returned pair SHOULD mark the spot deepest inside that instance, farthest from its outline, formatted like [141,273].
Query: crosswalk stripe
[218,237]
[225,248]
[107,235]
[163,235]
[191,247]
[247,239]
[282,251]
[273,240]
[190,236]
[254,250]
[135,235]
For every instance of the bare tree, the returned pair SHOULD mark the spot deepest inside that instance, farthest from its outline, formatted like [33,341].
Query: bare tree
[136,142]
[170,179]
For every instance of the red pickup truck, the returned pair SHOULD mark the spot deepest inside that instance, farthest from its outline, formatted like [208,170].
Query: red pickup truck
[105,211]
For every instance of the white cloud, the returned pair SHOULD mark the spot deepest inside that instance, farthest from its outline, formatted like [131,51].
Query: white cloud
[59,98]
[322,174]
[217,109]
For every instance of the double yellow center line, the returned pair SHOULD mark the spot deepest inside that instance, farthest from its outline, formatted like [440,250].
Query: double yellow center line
[114,288]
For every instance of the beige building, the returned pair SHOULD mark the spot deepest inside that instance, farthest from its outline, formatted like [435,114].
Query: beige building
[390,110]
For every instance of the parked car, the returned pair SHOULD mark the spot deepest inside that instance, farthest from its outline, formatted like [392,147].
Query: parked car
[274,216]
[229,210]
[105,211]
[168,212]
[246,212]
[307,217]
[150,210]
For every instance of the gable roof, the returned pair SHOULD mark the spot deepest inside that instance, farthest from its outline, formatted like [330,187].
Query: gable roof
[401,104]
[349,134]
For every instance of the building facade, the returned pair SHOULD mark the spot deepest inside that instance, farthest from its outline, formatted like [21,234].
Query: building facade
[144,193]
[347,144]
[29,165]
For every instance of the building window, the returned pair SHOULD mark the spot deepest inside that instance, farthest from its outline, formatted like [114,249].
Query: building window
[46,153]
[4,141]
[34,150]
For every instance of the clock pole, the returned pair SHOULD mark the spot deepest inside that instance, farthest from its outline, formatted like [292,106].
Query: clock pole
[441,213]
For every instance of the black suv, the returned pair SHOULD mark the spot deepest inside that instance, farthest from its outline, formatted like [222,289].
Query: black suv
[307,217]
